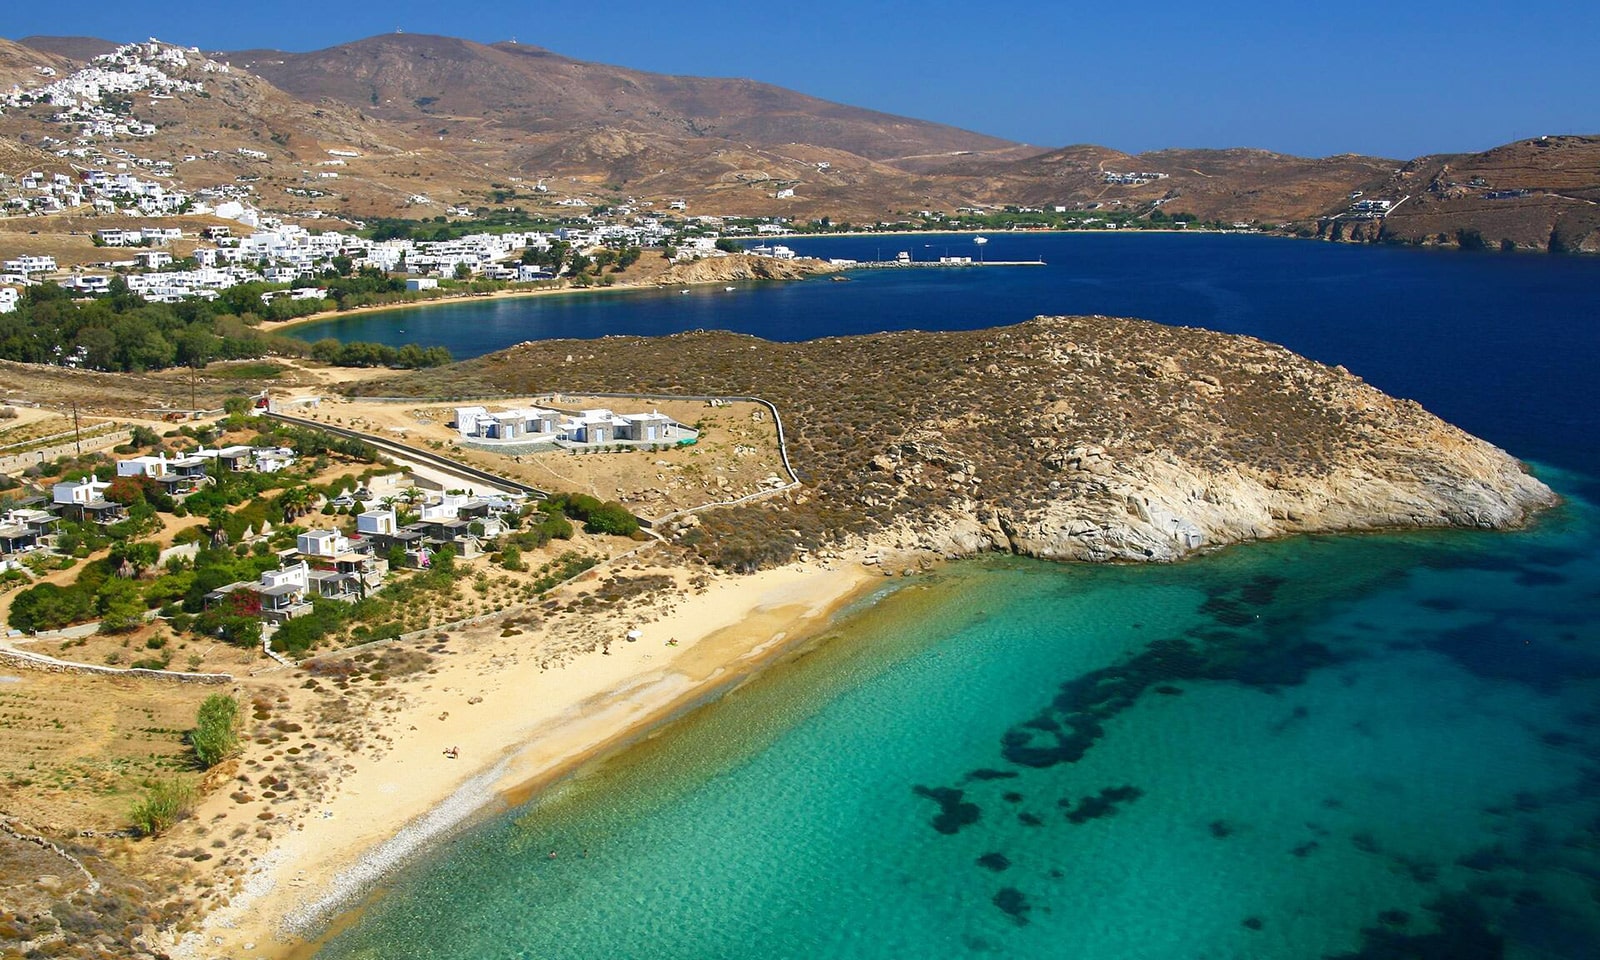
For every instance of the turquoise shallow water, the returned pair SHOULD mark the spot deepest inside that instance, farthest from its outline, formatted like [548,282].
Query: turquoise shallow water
[1374,746]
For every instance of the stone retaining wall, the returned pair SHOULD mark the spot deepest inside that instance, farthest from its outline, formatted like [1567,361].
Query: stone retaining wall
[39,662]
[20,461]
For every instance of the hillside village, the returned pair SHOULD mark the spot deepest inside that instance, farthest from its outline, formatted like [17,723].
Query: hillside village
[147,567]
[256,498]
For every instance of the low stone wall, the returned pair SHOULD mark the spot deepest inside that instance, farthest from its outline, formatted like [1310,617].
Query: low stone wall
[21,461]
[39,662]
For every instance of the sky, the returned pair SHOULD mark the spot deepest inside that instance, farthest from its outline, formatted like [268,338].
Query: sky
[1386,79]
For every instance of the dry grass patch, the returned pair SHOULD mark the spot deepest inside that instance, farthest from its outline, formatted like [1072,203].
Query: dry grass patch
[79,748]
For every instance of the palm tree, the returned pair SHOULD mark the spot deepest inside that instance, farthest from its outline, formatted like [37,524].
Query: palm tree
[215,530]
[295,503]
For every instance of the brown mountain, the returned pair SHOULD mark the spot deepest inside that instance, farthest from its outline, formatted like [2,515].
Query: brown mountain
[80,49]
[432,83]
[1534,194]
[1236,184]
[202,133]
[20,64]
[471,124]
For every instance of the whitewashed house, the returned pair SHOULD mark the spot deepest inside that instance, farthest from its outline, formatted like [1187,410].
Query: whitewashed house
[376,523]
[322,543]
[85,499]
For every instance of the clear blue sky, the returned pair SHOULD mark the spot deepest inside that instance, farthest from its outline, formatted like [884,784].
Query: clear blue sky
[1392,79]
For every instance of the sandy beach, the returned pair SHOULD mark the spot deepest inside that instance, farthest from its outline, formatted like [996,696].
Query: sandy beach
[464,298]
[516,723]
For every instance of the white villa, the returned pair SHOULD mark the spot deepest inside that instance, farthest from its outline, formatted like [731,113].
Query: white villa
[585,428]
[179,475]
[86,500]
[527,423]
[239,458]
[322,543]
[287,592]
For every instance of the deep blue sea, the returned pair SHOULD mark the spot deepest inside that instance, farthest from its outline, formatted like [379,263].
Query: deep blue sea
[1377,746]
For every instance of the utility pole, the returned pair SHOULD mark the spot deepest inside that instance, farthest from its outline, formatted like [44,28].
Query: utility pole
[77,434]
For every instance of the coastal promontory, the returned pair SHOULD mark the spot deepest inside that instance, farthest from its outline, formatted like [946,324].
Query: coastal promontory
[1082,438]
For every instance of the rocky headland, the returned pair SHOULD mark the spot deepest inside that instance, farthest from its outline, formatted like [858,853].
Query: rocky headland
[1072,438]
[742,266]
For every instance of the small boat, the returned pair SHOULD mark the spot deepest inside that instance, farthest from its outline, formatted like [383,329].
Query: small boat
[729,289]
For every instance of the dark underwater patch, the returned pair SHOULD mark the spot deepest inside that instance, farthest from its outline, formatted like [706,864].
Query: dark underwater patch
[1221,829]
[1463,934]
[1422,871]
[1072,723]
[1103,804]
[1014,904]
[954,811]
[985,773]
[1539,578]
[1228,612]
[1262,590]
[998,862]
[1471,560]
[1494,650]
[1486,859]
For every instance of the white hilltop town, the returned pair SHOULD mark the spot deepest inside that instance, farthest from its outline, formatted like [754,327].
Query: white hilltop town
[96,109]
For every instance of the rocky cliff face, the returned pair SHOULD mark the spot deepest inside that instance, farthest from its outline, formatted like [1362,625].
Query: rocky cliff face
[1346,457]
[1159,508]
[742,266]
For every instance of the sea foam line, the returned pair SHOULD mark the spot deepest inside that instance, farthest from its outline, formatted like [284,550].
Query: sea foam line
[357,880]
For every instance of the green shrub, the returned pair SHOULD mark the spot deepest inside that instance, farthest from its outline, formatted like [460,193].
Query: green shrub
[611,518]
[215,737]
[165,803]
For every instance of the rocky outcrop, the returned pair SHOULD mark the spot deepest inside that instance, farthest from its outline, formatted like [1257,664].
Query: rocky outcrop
[1159,509]
[743,266]
[1401,468]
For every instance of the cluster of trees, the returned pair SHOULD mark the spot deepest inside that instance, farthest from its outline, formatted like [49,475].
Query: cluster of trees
[107,588]
[609,517]
[123,332]
[560,255]
[362,354]
[539,528]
